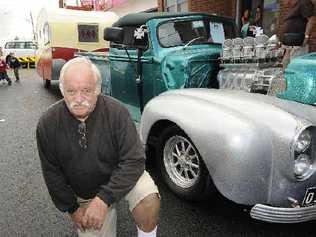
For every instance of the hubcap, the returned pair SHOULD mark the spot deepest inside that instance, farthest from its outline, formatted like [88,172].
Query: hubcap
[181,161]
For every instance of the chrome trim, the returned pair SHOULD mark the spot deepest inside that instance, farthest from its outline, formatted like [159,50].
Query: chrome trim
[283,215]
[310,142]
[300,128]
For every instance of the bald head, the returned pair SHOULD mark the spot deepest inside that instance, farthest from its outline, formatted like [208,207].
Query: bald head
[79,64]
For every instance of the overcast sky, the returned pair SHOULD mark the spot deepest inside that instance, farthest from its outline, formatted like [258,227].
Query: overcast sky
[15,17]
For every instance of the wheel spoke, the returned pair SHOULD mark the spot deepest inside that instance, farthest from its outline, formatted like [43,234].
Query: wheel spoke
[192,157]
[181,170]
[192,165]
[188,149]
[175,155]
[186,175]
[182,145]
[175,163]
[177,149]
[194,174]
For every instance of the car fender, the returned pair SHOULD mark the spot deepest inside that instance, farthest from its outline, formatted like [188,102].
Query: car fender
[236,148]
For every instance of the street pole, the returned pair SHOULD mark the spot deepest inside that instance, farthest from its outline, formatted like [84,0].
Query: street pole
[33,28]
[61,3]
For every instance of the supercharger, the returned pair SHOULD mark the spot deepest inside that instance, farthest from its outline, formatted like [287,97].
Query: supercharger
[252,64]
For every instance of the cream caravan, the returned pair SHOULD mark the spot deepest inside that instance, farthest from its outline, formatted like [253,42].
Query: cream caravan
[63,32]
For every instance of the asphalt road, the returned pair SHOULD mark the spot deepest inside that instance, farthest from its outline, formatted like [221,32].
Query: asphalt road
[26,208]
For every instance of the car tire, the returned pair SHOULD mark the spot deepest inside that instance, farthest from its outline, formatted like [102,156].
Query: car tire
[184,173]
[46,83]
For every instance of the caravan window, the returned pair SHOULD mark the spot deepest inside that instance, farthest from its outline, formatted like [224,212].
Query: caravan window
[88,33]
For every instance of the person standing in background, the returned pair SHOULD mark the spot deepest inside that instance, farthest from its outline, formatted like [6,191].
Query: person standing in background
[258,17]
[15,65]
[245,24]
[246,17]
[255,25]
[310,24]
[299,20]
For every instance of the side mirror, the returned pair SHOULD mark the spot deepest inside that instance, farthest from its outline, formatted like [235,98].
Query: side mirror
[113,34]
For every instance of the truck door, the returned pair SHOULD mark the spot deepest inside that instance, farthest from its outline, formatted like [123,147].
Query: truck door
[124,70]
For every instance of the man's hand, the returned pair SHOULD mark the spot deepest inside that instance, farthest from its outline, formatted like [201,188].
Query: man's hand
[77,218]
[95,214]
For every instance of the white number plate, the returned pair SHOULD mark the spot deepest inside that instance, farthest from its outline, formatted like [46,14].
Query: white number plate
[310,197]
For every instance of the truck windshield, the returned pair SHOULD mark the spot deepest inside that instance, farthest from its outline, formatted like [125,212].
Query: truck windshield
[177,33]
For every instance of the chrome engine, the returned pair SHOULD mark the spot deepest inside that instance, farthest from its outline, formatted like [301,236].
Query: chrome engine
[252,65]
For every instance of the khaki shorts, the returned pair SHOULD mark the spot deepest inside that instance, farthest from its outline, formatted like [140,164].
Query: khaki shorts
[144,187]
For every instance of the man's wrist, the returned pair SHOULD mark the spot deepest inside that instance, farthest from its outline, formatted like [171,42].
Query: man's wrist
[73,209]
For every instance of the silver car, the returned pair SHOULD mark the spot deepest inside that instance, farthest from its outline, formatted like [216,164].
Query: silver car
[255,149]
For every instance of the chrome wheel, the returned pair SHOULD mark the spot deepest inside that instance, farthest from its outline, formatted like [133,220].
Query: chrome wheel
[181,161]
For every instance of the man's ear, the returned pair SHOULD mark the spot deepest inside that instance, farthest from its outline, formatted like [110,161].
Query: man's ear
[61,89]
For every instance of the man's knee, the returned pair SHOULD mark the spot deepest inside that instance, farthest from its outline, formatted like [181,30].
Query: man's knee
[146,212]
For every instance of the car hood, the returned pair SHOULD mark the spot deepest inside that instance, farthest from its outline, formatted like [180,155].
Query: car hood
[190,67]
[265,109]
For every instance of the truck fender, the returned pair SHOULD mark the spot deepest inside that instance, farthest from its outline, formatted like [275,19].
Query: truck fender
[56,67]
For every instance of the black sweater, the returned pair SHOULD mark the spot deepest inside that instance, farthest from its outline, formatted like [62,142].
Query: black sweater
[110,166]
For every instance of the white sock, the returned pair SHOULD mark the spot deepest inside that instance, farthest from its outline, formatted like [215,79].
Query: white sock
[147,234]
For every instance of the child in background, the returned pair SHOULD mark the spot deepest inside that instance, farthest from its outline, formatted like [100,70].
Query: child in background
[3,71]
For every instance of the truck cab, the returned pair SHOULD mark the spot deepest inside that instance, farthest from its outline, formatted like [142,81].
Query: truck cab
[151,53]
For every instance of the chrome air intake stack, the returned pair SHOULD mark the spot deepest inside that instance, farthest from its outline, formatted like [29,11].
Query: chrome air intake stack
[250,64]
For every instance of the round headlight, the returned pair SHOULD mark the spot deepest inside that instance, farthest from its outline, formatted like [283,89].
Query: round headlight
[303,141]
[303,166]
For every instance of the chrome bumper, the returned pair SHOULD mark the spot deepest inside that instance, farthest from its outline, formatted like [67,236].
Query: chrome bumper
[283,215]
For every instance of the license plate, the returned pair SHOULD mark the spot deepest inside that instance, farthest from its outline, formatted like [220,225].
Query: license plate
[310,197]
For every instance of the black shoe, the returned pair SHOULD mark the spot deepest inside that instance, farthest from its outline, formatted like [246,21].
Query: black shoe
[9,83]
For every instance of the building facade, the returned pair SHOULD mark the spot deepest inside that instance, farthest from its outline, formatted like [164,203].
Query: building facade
[273,12]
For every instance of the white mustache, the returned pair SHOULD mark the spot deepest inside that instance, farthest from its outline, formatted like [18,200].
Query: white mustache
[83,104]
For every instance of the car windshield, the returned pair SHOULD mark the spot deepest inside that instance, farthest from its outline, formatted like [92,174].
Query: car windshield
[177,33]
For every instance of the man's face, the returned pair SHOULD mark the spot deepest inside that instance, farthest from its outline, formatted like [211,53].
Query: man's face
[80,90]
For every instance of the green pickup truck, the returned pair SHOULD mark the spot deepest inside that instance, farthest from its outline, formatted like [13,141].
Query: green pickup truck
[151,53]
[256,150]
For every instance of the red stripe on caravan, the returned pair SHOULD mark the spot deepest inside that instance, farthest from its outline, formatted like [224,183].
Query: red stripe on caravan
[45,60]
[63,53]
[101,50]
[68,53]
